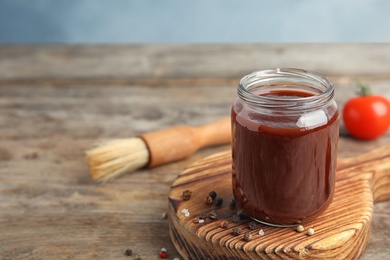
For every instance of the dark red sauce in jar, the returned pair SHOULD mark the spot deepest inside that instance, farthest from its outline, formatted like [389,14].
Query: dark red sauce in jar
[284,148]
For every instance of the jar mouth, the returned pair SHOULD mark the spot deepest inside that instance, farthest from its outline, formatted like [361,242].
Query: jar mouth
[315,89]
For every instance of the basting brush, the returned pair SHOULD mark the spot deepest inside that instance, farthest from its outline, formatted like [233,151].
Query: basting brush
[116,157]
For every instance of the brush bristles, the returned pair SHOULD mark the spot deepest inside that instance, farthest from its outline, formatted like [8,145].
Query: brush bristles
[114,158]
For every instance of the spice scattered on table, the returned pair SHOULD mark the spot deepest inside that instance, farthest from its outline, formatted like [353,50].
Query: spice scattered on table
[300,228]
[163,253]
[310,231]
[218,202]
[203,215]
[138,257]
[128,252]
[236,231]
[261,232]
[201,221]
[208,200]
[213,215]
[242,214]
[248,236]
[187,194]
[224,224]
[252,225]
[213,194]
[185,212]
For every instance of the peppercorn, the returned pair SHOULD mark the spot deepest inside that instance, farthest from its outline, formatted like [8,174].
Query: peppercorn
[213,214]
[219,202]
[213,194]
[252,225]
[163,253]
[208,200]
[310,231]
[243,215]
[237,231]
[195,220]
[128,252]
[300,228]
[224,224]
[187,194]
[248,236]
[203,215]
[137,257]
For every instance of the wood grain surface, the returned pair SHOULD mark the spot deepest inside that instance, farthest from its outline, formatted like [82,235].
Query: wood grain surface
[341,232]
[57,101]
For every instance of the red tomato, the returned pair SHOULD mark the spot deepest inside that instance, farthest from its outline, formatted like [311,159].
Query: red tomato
[367,117]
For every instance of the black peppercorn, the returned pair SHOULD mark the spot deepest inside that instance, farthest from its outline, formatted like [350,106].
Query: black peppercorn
[128,252]
[252,225]
[243,215]
[218,202]
[213,194]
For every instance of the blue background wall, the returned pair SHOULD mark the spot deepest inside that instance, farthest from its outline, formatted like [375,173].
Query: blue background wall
[180,21]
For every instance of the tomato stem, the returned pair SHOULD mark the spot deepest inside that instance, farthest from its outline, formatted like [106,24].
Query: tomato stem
[362,89]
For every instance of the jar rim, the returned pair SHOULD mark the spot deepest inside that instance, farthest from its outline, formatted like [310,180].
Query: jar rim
[320,88]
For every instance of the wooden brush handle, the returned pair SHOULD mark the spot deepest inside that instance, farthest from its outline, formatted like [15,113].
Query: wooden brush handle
[373,166]
[179,142]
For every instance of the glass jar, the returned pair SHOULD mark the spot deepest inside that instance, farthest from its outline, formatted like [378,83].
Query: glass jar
[285,128]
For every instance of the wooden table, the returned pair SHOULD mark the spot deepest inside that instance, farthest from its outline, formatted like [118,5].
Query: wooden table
[56,101]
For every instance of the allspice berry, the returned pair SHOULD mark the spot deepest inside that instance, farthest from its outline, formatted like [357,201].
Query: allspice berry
[208,200]
[224,224]
[237,231]
[187,194]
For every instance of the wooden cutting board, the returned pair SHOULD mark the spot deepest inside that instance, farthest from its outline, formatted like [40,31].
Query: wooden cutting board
[341,232]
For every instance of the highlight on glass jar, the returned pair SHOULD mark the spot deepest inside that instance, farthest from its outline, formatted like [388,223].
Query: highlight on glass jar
[285,128]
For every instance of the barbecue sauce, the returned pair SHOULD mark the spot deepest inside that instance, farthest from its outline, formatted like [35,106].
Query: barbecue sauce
[283,165]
